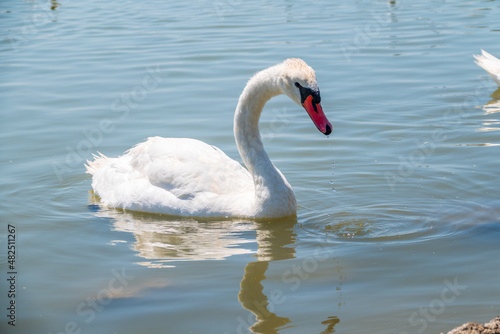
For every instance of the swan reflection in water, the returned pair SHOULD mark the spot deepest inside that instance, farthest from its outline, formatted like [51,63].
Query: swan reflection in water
[491,108]
[162,241]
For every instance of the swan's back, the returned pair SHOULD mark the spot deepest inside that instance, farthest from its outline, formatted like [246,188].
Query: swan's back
[176,176]
[490,64]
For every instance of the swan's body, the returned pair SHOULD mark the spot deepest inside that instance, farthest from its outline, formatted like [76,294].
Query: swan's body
[490,64]
[187,177]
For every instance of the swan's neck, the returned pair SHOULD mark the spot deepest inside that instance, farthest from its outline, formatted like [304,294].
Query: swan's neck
[271,187]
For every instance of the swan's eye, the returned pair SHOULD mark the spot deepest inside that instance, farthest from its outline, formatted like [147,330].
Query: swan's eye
[306,92]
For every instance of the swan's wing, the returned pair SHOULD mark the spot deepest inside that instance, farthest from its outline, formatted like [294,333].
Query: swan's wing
[490,64]
[171,175]
[188,166]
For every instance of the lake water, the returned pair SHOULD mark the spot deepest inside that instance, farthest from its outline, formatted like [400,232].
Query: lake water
[398,224]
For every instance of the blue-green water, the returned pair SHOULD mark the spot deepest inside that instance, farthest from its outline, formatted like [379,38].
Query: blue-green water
[398,224]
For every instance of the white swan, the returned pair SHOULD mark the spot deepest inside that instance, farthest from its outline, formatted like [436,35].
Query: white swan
[187,177]
[490,64]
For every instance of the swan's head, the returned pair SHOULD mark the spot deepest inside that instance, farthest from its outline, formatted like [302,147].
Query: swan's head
[298,82]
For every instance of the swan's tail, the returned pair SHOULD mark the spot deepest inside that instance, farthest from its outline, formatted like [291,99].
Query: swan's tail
[490,64]
[92,166]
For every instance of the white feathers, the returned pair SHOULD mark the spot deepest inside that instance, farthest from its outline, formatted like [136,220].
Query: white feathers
[176,176]
[92,166]
[490,64]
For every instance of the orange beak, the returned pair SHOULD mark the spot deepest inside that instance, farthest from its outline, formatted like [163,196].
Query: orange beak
[317,115]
